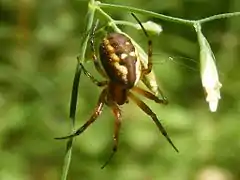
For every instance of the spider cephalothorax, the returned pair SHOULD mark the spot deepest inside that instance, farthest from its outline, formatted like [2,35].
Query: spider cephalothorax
[123,70]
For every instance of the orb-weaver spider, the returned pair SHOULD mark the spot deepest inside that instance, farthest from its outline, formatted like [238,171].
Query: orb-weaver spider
[123,68]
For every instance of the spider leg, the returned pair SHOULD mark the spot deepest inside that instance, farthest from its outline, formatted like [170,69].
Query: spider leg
[149,95]
[117,115]
[149,68]
[96,113]
[149,112]
[94,57]
[92,78]
[150,64]
[74,94]
[75,86]
[162,96]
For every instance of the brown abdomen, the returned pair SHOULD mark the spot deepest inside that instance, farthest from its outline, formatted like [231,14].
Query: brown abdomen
[119,59]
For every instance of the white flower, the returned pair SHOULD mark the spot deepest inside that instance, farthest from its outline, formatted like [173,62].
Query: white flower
[209,74]
[210,80]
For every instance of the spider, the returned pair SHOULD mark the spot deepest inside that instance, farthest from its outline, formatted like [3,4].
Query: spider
[123,69]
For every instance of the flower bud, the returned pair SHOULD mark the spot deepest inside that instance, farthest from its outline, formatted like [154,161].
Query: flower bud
[209,74]
[151,27]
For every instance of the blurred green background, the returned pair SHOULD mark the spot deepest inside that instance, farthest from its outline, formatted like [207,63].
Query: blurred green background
[39,42]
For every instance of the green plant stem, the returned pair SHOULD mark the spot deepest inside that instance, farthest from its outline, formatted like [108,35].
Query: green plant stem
[81,57]
[67,159]
[125,23]
[218,16]
[169,18]
[147,13]
[110,20]
[89,20]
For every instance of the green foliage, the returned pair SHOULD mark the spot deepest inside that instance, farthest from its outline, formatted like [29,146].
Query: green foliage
[39,44]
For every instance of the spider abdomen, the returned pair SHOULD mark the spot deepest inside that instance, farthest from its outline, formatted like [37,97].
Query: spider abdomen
[120,60]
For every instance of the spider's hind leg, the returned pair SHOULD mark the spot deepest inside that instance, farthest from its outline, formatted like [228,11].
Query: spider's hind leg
[92,78]
[150,95]
[95,115]
[149,112]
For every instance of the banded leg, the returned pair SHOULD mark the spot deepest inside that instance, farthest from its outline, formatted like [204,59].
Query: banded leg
[93,79]
[149,112]
[150,64]
[117,126]
[96,113]
[149,68]
[94,57]
[149,95]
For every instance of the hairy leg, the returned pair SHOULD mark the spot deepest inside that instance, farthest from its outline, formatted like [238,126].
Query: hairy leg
[117,125]
[96,113]
[149,112]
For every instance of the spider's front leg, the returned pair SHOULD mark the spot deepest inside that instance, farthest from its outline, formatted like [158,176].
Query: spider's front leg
[149,68]
[149,95]
[74,94]
[94,56]
[96,113]
[92,78]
